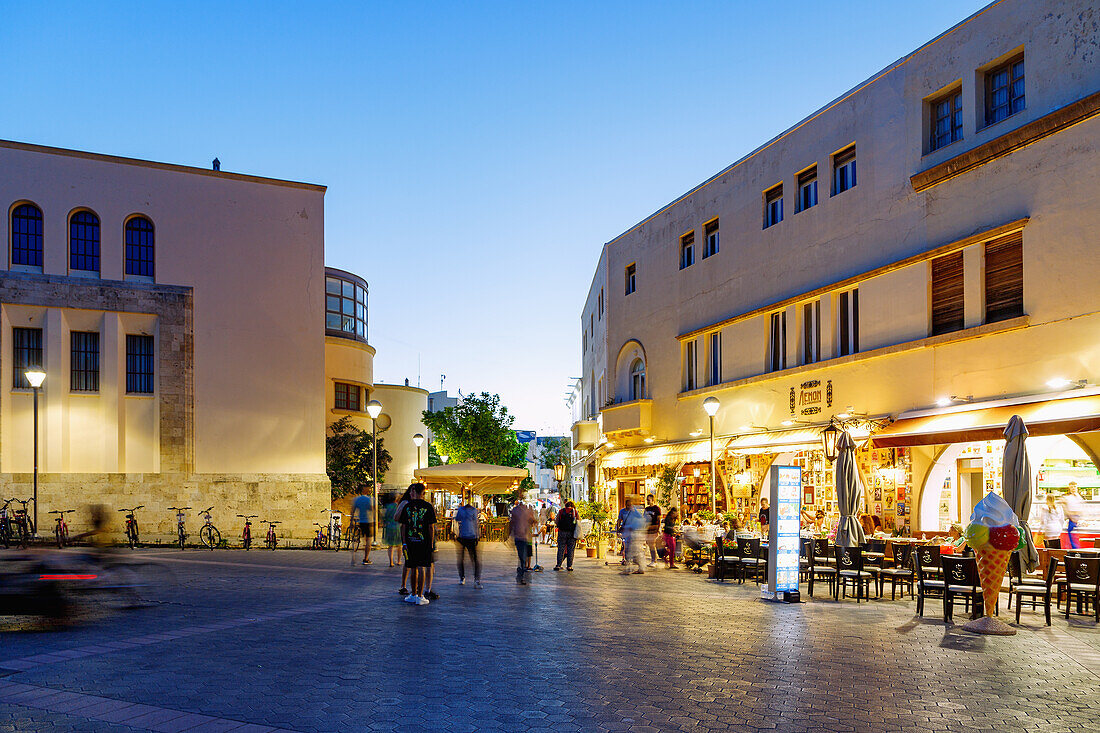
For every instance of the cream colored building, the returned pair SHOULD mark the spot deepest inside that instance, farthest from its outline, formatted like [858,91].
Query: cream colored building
[174,311]
[917,260]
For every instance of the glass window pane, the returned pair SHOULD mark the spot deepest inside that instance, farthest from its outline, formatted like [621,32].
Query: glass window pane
[349,289]
[349,306]
[332,285]
[332,320]
[348,324]
[332,303]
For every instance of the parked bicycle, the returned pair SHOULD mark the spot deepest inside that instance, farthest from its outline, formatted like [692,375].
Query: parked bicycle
[61,528]
[208,533]
[351,539]
[334,531]
[132,526]
[320,540]
[272,540]
[181,523]
[24,525]
[246,533]
[6,533]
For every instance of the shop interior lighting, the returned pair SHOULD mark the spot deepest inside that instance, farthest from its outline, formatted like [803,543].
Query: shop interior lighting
[649,439]
[696,433]
[1063,383]
[788,423]
[945,401]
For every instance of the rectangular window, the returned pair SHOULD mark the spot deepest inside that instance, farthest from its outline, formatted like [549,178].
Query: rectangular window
[631,274]
[947,293]
[945,121]
[811,332]
[1004,278]
[710,238]
[691,364]
[584,342]
[26,354]
[844,170]
[687,250]
[773,206]
[715,370]
[807,189]
[347,397]
[848,323]
[777,342]
[1004,90]
[84,361]
[601,304]
[139,364]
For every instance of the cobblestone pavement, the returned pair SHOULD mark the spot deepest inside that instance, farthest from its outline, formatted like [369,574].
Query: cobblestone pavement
[305,641]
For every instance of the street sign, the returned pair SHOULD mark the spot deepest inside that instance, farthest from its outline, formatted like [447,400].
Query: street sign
[783,533]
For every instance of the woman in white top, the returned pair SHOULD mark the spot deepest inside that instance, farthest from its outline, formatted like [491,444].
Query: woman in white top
[1051,522]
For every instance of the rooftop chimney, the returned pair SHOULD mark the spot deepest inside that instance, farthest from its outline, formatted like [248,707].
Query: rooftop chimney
[217,165]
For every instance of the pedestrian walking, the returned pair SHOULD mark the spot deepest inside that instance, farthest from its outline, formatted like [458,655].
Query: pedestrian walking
[418,534]
[1072,507]
[398,514]
[567,535]
[764,517]
[620,521]
[521,526]
[391,530]
[653,526]
[1051,523]
[362,511]
[672,520]
[634,530]
[466,518]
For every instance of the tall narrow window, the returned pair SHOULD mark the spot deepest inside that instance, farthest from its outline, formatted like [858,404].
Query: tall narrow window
[1004,278]
[811,332]
[637,380]
[777,342]
[710,238]
[945,122]
[715,361]
[1004,90]
[139,364]
[947,293]
[84,241]
[84,361]
[26,235]
[773,206]
[844,170]
[584,342]
[687,250]
[140,247]
[26,354]
[807,189]
[347,397]
[631,274]
[848,322]
[691,365]
[601,304]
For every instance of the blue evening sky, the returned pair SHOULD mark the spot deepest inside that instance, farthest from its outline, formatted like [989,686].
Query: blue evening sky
[477,155]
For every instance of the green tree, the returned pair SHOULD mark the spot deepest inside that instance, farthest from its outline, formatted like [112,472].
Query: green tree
[478,428]
[433,456]
[349,454]
[554,451]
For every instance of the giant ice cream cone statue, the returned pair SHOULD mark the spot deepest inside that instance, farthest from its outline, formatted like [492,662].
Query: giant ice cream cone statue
[993,534]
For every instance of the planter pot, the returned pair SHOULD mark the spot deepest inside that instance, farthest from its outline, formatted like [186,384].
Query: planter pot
[713,572]
[590,551]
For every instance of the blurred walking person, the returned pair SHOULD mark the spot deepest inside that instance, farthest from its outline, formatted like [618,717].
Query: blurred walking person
[1073,506]
[653,526]
[466,518]
[1051,523]
[521,525]
[567,535]
[672,520]
[391,531]
[634,531]
[398,513]
[362,510]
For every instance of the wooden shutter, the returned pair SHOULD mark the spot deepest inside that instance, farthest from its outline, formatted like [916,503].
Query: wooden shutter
[1004,278]
[947,293]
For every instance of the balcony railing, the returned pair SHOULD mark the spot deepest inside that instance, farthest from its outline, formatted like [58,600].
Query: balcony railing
[628,418]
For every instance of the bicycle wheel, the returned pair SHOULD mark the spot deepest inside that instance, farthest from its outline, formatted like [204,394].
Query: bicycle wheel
[183,537]
[59,537]
[5,534]
[24,535]
[132,534]
[353,541]
[210,536]
[247,540]
[273,542]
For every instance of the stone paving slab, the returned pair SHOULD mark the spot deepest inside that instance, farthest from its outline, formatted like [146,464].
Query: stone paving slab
[307,641]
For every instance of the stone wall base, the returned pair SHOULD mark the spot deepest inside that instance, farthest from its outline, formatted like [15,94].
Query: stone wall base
[295,500]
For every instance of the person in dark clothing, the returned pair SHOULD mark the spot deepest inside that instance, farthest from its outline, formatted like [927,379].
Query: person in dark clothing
[567,534]
[765,517]
[653,515]
[672,528]
[418,532]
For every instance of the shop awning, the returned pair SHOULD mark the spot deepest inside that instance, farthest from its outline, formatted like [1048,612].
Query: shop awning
[975,422]
[480,478]
[671,454]
[781,441]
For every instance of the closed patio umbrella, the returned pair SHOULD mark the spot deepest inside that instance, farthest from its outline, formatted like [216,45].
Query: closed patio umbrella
[1016,483]
[849,532]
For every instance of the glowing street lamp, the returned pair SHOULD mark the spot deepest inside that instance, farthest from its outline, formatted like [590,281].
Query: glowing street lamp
[35,377]
[829,437]
[559,476]
[711,405]
[374,409]
[419,440]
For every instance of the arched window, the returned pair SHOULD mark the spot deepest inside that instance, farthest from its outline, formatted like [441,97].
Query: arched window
[139,247]
[26,235]
[84,241]
[637,380]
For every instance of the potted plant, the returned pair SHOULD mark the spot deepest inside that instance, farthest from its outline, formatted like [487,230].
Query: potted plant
[594,543]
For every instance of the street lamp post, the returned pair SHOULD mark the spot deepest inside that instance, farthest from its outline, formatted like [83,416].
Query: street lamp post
[419,440]
[35,377]
[374,409]
[559,476]
[710,404]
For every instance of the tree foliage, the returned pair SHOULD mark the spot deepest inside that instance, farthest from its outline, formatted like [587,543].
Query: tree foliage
[555,450]
[479,428]
[349,454]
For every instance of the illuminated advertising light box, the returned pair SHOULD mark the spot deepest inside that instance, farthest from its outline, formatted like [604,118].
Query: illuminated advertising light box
[783,533]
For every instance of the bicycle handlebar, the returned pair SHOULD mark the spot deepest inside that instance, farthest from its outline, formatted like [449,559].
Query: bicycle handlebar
[205,511]
[179,508]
